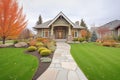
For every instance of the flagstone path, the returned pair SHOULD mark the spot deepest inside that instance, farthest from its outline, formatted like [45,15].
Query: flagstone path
[63,66]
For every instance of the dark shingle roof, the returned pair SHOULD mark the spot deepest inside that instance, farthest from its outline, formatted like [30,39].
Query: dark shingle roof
[48,23]
[112,25]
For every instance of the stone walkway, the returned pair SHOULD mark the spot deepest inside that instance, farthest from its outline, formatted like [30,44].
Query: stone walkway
[63,66]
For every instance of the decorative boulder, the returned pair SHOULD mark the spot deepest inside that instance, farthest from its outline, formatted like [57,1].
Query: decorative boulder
[3,45]
[45,59]
[21,44]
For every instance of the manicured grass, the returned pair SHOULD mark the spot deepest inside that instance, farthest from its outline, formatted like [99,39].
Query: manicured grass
[15,65]
[97,62]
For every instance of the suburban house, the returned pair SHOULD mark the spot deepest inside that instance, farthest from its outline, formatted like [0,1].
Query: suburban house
[110,29]
[60,27]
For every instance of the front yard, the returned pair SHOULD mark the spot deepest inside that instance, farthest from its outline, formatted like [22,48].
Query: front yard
[97,62]
[15,65]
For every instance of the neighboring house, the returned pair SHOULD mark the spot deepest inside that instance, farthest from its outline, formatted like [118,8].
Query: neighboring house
[61,27]
[111,29]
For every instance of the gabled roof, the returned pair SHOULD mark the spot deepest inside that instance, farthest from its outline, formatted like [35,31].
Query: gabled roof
[43,25]
[112,25]
[50,22]
[61,14]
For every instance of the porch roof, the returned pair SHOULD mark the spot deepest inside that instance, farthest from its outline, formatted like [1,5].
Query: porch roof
[50,22]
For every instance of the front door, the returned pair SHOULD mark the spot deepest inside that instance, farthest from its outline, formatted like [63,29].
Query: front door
[60,32]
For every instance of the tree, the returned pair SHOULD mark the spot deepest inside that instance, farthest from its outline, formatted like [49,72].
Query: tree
[12,20]
[39,20]
[85,34]
[25,34]
[94,36]
[83,23]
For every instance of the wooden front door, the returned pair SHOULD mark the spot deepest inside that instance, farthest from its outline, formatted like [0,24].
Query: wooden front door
[60,35]
[60,32]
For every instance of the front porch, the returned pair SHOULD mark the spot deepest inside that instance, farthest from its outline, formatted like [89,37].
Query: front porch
[61,33]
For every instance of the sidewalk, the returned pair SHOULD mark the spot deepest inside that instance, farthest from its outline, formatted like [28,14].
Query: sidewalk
[63,66]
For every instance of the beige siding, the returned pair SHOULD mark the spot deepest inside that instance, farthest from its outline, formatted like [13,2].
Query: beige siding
[43,33]
[60,22]
[39,32]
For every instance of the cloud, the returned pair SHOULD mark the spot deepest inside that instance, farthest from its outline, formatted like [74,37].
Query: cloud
[96,12]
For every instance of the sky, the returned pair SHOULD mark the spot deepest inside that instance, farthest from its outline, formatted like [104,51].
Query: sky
[93,12]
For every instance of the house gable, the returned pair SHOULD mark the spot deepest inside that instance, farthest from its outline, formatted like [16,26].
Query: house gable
[65,19]
[61,21]
[58,21]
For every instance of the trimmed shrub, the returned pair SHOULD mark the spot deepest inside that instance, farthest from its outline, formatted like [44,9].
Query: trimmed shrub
[39,44]
[45,52]
[81,39]
[15,41]
[31,48]
[109,43]
[52,48]
[75,39]
[42,48]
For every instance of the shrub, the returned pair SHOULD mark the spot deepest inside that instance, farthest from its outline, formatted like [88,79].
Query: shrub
[119,38]
[39,39]
[75,39]
[45,52]
[109,43]
[31,48]
[42,48]
[52,48]
[44,40]
[32,43]
[39,44]
[99,41]
[117,46]
[81,39]
[15,41]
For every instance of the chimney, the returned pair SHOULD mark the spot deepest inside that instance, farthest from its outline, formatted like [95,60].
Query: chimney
[77,23]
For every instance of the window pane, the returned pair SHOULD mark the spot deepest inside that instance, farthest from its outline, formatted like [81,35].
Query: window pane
[46,34]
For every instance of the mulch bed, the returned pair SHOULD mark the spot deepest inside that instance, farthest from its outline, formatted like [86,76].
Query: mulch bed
[42,66]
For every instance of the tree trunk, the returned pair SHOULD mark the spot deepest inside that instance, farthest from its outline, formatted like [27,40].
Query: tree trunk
[3,40]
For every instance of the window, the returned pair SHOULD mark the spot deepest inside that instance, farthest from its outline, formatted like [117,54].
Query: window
[75,33]
[45,33]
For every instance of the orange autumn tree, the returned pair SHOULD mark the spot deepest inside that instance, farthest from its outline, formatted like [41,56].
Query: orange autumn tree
[85,34]
[12,20]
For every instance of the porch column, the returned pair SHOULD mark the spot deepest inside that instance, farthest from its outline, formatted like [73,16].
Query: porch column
[69,39]
[51,30]
[52,35]
[69,31]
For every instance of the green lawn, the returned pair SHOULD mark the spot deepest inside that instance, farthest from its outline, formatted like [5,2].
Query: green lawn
[15,65]
[97,62]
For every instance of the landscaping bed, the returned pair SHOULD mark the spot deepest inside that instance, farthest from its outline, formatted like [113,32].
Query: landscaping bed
[41,66]
[41,48]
